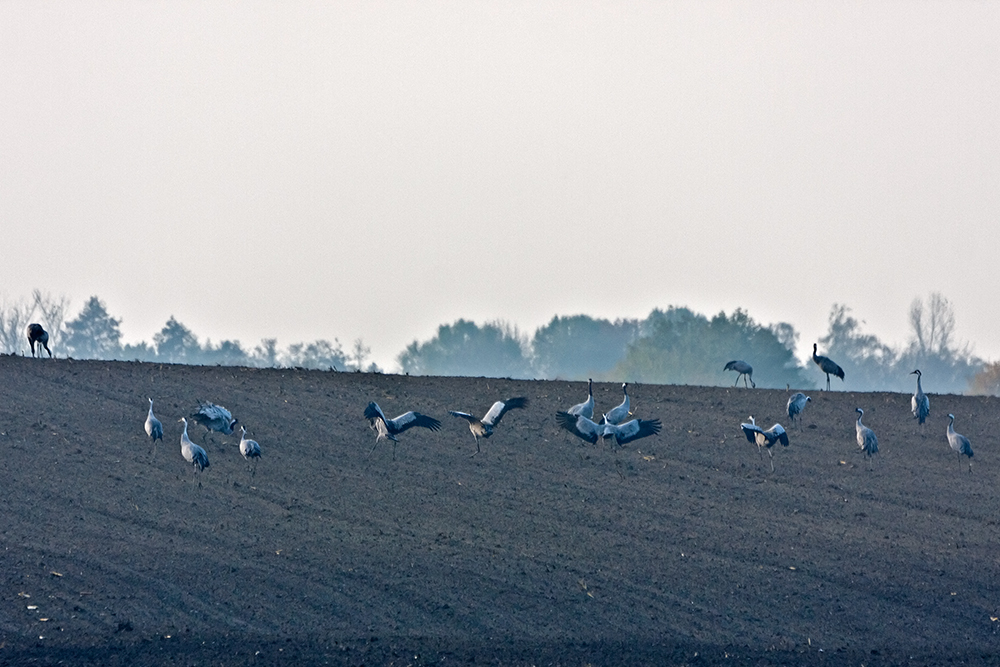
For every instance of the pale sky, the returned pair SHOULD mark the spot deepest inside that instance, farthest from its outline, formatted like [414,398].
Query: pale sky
[337,170]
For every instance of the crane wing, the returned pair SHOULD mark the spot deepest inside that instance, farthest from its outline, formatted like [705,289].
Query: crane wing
[633,430]
[779,434]
[374,412]
[464,415]
[500,408]
[411,419]
[579,426]
[751,431]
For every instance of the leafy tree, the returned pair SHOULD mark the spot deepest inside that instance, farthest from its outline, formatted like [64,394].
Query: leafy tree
[579,346]
[227,353]
[493,350]
[93,334]
[265,355]
[683,347]
[176,344]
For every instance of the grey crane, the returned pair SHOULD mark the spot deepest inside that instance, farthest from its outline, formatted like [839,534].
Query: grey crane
[866,437]
[743,370]
[214,418]
[620,412]
[590,431]
[828,366]
[920,405]
[483,428]
[154,429]
[796,404]
[390,428]
[191,452]
[959,442]
[758,436]
[250,449]
[587,407]
[36,334]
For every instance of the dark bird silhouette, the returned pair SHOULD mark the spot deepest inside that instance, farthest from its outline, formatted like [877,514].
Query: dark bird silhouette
[620,412]
[796,404]
[827,366]
[154,429]
[959,442]
[587,407]
[758,436]
[920,405]
[483,428]
[587,430]
[390,428]
[743,369]
[36,334]
[866,437]
[191,452]
[214,418]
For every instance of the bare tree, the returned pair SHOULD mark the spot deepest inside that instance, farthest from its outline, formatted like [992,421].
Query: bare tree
[933,327]
[359,353]
[14,318]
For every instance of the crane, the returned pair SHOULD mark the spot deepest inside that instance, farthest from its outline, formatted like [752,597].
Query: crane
[827,366]
[617,414]
[866,437]
[154,428]
[590,431]
[959,442]
[796,404]
[758,436]
[191,452]
[214,418]
[743,370]
[920,405]
[483,428]
[390,428]
[587,407]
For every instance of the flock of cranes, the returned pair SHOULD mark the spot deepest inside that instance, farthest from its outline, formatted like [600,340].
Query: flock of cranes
[577,419]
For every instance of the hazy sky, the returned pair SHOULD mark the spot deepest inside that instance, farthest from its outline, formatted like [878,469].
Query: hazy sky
[340,170]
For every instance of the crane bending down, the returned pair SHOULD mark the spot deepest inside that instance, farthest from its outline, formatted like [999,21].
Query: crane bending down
[587,430]
[758,436]
[959,442]
[390,428]
[483,428]
[743,369]
[866,437]
[920,405]
[214,418]
[154,428]
[827,366]
[587,407]
[796,404]
[620,412]
[191,452]
[36,334]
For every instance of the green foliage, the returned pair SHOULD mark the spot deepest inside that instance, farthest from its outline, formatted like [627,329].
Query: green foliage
[681,347]
[580,347]
[493,350]
[93,334]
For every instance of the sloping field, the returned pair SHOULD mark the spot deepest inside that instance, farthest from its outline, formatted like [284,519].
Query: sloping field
[683,548]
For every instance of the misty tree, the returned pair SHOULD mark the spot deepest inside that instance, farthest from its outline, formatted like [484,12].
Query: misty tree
[359,353]
[495,349]
[93,334]
[265,355]
[868,363]
[579,347]
[176,344]
[226,353]
[987,381]
[141,351]
[683,347]
[320,354]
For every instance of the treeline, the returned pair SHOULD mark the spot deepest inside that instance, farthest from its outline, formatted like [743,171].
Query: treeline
[672,346]
[95,334]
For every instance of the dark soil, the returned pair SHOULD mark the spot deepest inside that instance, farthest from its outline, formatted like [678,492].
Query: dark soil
[683,548]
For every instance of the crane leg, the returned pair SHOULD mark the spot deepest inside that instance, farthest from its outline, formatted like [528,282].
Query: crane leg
[771,457]
[373,448]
